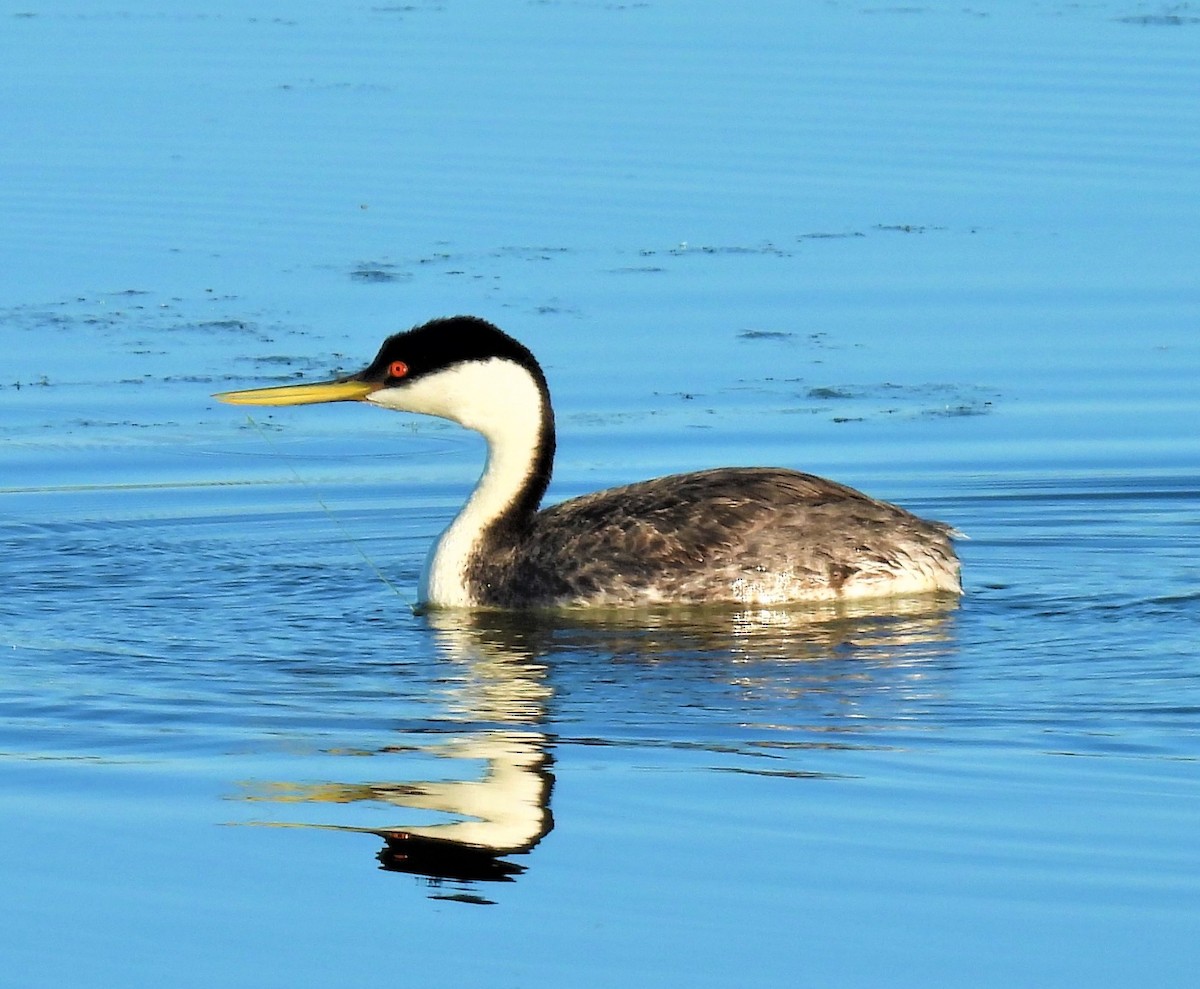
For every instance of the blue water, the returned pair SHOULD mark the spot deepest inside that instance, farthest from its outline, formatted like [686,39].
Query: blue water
[945,254]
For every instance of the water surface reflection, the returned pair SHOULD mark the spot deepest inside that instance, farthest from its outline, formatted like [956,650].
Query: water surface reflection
[503,712]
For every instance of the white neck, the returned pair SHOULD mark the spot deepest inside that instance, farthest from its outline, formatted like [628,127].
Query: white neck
[501,400]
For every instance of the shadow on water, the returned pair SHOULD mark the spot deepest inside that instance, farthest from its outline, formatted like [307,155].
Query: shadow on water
[500,725]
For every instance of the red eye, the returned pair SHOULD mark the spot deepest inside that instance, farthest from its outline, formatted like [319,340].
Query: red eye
[397,369]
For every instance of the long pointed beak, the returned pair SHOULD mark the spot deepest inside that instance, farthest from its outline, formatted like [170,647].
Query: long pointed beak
[346,390]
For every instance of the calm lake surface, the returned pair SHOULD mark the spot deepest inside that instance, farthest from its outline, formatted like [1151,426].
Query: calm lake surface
[946,254]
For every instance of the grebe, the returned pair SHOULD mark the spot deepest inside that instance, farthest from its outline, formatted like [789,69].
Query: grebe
[739,535]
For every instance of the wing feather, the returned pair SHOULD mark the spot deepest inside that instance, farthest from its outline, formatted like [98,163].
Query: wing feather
[727,534]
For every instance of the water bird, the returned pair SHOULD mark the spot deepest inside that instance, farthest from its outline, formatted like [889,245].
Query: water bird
[736,535]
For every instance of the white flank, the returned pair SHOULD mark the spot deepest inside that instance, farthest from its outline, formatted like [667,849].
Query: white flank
[502,401]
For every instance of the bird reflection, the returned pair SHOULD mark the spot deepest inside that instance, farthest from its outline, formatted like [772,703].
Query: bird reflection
[500,703]
[505,812]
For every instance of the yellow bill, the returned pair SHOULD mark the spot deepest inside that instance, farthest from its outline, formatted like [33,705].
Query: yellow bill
[321,391]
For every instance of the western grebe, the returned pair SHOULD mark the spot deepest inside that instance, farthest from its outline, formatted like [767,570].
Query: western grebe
[747,535]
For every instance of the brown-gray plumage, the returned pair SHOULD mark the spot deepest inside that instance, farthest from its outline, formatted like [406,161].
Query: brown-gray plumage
[755,535]
[735,535]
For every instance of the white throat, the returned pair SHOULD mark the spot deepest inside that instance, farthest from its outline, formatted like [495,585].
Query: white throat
[501,400]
